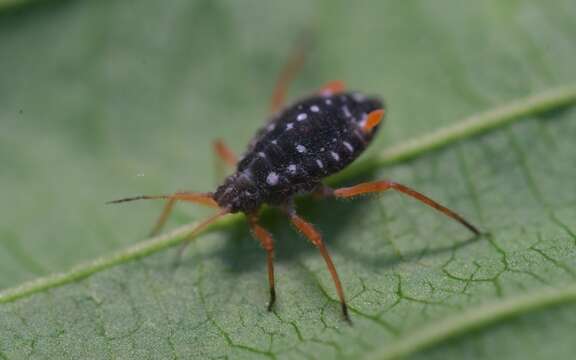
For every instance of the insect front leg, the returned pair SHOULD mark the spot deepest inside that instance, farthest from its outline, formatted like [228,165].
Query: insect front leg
[267,243]
[196,198]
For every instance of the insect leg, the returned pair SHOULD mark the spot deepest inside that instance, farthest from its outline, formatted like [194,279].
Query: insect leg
[224,153]
[333,87]
[381,186]
[288,73]
[201,226]
[224,156]
[314,236]
[196,198]
[268,244]
[204,199]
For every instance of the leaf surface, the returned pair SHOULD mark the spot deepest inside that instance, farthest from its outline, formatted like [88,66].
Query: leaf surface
[100,100]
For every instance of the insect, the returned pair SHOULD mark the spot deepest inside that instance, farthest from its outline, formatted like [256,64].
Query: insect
[298,147]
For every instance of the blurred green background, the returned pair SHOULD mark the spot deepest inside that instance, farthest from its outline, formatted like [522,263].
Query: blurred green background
[104,99]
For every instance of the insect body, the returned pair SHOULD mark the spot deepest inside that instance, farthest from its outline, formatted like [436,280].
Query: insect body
[300,146]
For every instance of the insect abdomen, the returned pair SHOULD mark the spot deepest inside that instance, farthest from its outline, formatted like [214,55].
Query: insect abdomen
[312,139]
[306,142]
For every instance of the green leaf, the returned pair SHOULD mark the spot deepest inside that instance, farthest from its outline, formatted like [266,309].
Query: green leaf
[105,99]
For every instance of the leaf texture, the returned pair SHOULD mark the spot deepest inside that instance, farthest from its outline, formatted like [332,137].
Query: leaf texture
[104,99]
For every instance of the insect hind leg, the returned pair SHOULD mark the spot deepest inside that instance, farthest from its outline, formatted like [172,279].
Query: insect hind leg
[288,73]
[384,185]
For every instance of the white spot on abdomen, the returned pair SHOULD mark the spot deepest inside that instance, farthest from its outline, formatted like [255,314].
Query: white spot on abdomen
[319,163]
[302,117]
[272,178]
[346,111]
[292,169]
[335,156]
[363,121]
[300,148]
[348,146]
[289,126]
[314,108]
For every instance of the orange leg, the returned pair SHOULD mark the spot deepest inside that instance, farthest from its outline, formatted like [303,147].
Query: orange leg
[380,186]
[333,87]
[314,236]
[201,226]
[224,156]
[196,198]
[288,74]
[268,244]
[224,153]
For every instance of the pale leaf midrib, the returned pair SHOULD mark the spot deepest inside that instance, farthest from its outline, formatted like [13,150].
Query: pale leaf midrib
[475,318]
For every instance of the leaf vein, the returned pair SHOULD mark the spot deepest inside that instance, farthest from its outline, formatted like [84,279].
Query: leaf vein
[476,124]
